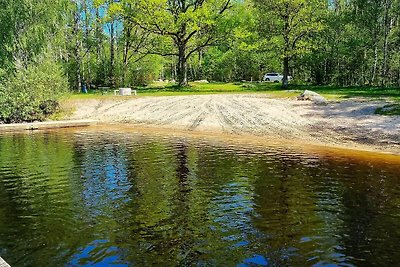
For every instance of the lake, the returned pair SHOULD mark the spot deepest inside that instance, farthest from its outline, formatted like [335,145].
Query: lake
[110,198]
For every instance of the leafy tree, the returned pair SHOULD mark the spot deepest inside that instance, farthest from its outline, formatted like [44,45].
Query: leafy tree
[189,25]
[32,78]
[27,28]
[352,49]
[289,25]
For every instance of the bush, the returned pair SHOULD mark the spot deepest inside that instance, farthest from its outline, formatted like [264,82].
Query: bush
[32,94]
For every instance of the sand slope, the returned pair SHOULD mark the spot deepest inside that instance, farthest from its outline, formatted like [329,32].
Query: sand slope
[349,122]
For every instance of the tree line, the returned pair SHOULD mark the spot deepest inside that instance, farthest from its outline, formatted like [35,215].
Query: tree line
[114,43]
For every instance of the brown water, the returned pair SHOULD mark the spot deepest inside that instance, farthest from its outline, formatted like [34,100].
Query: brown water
[123,199]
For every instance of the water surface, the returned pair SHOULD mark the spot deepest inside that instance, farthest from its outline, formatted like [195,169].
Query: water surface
[124,199]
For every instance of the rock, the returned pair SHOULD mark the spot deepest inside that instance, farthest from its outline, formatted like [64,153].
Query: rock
[313,96]
[3,263]
[201,81]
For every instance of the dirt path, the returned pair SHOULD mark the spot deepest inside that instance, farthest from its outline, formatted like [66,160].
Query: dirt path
[346,123]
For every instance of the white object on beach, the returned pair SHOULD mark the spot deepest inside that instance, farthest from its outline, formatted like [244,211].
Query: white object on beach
[313,96]
[125,91]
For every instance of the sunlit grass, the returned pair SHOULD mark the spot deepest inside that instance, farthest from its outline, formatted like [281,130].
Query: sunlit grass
[347,92]
[271,89]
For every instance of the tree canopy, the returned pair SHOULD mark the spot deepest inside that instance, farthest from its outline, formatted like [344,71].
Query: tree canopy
[133,42]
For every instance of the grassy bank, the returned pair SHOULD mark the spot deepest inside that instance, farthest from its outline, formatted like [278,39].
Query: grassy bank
[273,89]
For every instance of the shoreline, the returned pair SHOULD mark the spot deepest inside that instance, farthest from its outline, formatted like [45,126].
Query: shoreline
[274,141]
[247,141]
[349,123]
[32,126]
[359,151]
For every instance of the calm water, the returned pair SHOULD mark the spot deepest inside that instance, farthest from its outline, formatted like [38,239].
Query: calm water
[118,199]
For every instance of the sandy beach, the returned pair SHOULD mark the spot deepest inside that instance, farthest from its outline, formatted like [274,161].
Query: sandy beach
[347,123]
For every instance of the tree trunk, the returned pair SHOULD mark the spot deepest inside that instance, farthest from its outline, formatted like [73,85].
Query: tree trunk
[77,51]
[375,64]
[387,26]
[98,35]
[287,47]
[126,53]
[285,81]
[112,54]
[337,6]
[182,66]
[88,79]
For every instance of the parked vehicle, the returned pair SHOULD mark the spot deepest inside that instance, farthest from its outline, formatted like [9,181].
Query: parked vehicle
[275,77]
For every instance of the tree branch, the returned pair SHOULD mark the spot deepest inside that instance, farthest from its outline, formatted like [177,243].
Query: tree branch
[190,36]
[205,44]
[225,7]
[161,54]
[138,59]
[298,38]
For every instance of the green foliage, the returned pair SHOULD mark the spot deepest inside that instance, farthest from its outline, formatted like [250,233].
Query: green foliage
[357,46]
[27,26]
[190,26]
[126,43]
[145,71]
[33,93]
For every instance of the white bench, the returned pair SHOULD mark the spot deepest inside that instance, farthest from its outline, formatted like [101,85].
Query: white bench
[125,91]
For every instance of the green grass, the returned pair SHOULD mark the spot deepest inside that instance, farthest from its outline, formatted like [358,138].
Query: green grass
[273,89]
[347,92]
[197,88]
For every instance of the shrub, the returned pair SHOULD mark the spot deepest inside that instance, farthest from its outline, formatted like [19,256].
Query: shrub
[32,94]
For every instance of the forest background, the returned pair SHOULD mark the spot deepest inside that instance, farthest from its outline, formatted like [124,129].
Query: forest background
[49,47]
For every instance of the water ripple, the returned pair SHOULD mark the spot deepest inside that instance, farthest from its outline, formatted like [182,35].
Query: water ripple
[120,199]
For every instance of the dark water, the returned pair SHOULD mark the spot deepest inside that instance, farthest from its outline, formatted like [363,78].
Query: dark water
[118,199]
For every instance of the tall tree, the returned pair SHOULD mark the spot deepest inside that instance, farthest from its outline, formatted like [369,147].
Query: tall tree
[77,45]
[291,23]
[28,28]
[190,25]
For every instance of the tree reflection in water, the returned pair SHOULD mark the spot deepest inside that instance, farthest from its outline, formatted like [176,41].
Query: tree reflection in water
[125,199]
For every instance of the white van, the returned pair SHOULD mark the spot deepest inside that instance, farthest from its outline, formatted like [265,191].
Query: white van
[275,77]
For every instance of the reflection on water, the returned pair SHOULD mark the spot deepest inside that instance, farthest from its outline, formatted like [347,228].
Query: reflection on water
[100,199]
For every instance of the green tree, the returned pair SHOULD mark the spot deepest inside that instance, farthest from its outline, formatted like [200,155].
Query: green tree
[27,29]
[357,46]
[188,25]
[290,24]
